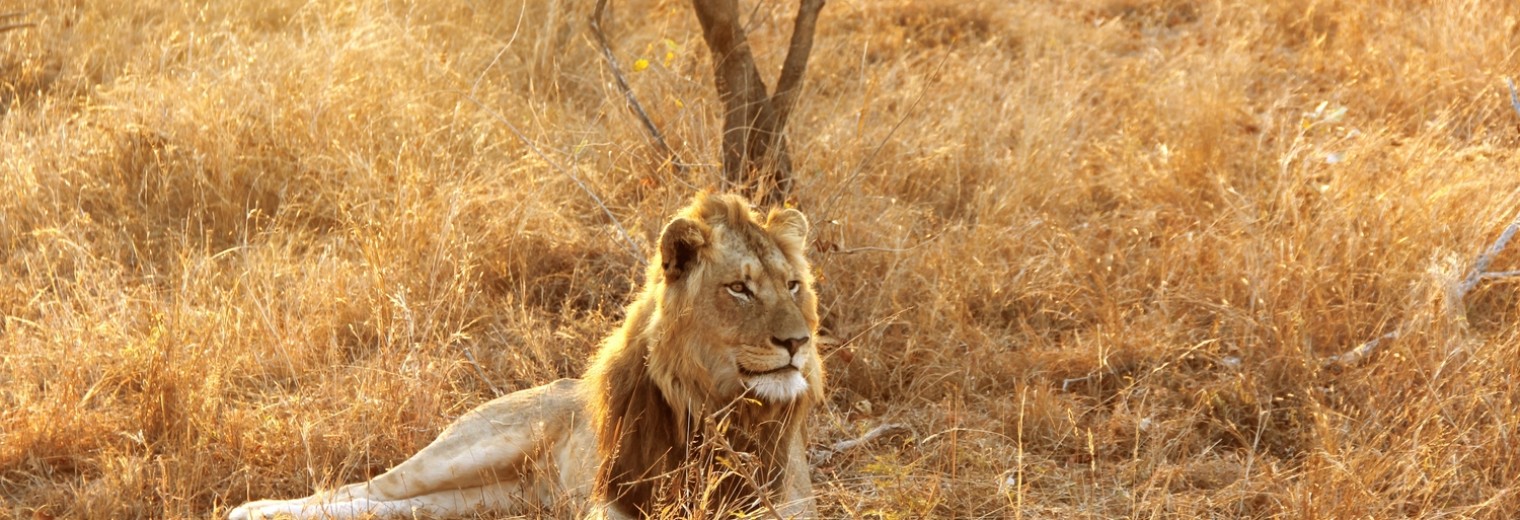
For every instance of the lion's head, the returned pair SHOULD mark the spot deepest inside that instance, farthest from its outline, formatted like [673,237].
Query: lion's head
[724,325]
[738,292]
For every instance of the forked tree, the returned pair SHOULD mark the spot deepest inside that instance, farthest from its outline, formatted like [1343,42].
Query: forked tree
[754,148]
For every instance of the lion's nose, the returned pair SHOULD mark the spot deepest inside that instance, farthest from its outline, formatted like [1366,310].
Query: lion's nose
[791,344]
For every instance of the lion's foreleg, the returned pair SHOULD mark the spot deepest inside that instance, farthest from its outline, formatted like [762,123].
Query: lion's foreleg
[797,486]
[500,496]
[480,461]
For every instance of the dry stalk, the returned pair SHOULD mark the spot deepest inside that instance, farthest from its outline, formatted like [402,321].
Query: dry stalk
[860,166]
[633,247]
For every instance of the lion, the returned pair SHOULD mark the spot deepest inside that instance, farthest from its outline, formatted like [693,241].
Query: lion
[698,402]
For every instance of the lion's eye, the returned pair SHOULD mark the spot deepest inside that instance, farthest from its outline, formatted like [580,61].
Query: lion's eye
[738,289]
[794,286]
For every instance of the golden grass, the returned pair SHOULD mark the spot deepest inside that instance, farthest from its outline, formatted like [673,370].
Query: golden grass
[245,246]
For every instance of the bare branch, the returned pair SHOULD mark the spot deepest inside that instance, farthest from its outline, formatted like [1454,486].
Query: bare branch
[622,83]
[776,182]
[1480,267]
[1495,275]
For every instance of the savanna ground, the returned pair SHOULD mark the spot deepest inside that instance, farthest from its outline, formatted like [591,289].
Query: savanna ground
[1094,254]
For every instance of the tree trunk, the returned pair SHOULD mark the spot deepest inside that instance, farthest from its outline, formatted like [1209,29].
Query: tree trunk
[754,148]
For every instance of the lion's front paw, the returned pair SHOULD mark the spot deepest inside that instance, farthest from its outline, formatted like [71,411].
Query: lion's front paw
[242,512]
[260,510]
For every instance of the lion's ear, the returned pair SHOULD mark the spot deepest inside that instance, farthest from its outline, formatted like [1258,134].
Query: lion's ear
[789,227]
[682,239]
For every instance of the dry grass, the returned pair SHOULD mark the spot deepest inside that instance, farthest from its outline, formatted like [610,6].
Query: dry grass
[244,247]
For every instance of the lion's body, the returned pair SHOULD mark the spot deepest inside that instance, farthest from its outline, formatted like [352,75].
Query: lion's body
[698,402]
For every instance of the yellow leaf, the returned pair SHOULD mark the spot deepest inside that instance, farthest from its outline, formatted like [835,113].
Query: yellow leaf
[640,64]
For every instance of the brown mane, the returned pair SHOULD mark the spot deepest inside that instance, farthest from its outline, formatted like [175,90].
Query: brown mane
[656,448]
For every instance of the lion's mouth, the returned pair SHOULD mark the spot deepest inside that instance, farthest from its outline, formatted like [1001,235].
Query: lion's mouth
[777,385]
[778,370]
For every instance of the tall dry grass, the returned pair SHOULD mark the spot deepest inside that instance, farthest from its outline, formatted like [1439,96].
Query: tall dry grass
[1093,253]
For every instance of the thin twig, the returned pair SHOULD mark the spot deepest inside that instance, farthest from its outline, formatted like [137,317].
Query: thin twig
[13,26]
[868,437]
[1361,352]
[633,247]
[1066,383]
[478,371]
[1514,96]
[869,249]
[622,83]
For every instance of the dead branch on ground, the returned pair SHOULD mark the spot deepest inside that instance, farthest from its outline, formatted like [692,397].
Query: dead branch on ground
[822,455]
[1476,275]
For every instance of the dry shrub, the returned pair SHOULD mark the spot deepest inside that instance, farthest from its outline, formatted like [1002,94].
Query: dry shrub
[1092,253]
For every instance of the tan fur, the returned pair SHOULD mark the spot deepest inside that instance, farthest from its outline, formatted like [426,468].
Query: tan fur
[697,403]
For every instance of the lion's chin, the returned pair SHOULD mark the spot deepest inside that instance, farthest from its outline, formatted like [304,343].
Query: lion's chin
[777,387]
